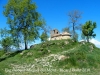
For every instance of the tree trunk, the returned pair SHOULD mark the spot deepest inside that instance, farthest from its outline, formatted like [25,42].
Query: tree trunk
[25,41]
[74,32]
[88,39]
[26,45]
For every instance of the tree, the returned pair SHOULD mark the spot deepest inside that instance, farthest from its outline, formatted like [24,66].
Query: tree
[4,32]
[6,43]
[23,19]
[66,29]
[6,40]
[83,37]
[74,17]
[44,36]
[87,30]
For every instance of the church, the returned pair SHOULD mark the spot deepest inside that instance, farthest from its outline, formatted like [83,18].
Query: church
[55,35]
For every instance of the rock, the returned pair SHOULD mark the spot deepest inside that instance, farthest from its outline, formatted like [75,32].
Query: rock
[32,46]
[82,42]
[8,53]
[62,57]
[49,51]
[91,47]
[22,53]
[66,42]
[29,53]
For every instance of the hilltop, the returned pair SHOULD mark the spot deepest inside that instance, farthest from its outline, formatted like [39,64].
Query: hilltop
[56,57]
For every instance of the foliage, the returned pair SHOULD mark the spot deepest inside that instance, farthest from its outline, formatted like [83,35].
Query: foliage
[23,19]
[4,32]
[88,30]
[44,36]
[75,36]
[66,29]
[6,43]
[74,17]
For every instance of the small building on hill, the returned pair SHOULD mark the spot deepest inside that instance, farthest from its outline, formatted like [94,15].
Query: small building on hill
[55,35]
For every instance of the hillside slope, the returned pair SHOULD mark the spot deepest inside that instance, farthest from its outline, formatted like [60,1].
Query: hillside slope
[62,57]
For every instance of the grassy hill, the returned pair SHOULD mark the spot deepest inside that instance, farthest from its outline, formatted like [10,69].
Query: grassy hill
[59,57]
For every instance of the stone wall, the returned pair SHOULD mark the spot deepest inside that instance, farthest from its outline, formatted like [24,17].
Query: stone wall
[60,37]
[57,36]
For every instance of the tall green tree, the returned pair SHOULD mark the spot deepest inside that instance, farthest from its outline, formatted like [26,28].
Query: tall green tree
[23,19]
[74,17]
[88,30]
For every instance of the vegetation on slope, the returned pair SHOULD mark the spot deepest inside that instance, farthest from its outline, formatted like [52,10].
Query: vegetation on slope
[47,55]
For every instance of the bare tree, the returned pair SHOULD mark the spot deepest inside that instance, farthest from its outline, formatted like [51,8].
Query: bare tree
[74,17]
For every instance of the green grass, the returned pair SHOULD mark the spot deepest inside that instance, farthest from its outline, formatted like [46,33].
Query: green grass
[1,52]
[84,59]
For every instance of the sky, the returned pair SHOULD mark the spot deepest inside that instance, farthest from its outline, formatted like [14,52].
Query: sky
[55,13]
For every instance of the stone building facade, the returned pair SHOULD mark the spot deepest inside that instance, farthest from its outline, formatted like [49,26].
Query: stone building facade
[55,35]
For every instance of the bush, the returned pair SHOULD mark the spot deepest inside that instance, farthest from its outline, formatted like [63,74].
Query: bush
[6,43]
